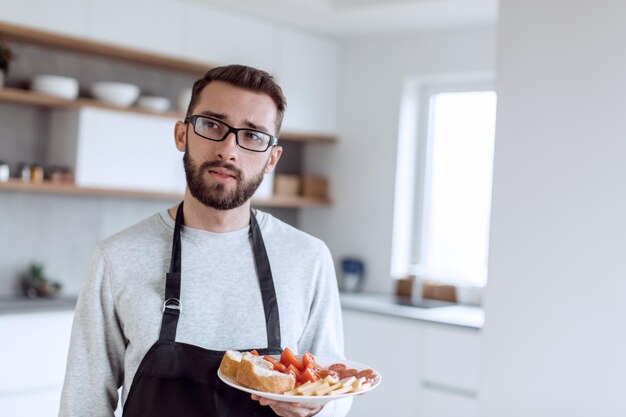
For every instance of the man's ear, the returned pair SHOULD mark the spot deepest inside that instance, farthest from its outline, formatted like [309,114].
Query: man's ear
[180,135]
[275,154]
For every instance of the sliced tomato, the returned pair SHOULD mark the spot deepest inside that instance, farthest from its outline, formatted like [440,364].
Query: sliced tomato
[314,366]
[308,361]
[254,352]
[309,375]
[288,358]
[323,373]
[277,365]
[296,373]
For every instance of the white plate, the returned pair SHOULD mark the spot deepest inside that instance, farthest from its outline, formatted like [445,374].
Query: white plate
[323,361]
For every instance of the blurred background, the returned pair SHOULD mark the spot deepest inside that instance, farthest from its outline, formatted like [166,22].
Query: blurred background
[462,159]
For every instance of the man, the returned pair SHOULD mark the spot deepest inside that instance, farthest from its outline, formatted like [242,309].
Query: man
[165,298]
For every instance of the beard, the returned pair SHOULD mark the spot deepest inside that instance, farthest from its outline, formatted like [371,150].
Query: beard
[216,195]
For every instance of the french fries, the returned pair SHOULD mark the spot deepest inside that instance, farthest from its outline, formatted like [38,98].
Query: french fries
[331,386]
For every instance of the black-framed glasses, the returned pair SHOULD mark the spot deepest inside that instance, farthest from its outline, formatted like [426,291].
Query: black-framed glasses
[216,130]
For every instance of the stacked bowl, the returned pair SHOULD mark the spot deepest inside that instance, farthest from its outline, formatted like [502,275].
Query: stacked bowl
[56,86]
[118,94]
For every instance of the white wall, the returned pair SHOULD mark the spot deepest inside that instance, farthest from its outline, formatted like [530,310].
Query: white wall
[554,341]
[363,165]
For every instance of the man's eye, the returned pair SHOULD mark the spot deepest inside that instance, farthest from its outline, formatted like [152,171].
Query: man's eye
[207,124]
[253,136]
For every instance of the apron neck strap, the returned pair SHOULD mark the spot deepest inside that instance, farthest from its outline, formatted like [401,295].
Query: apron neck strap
[266,282]
[172,307]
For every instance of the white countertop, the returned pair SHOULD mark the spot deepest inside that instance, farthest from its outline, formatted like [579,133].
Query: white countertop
[453,314]
[19,305]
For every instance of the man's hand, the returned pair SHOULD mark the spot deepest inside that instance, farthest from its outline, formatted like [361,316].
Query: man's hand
[285,409]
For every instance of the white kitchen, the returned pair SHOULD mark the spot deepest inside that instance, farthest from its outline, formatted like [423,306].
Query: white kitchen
[484,281]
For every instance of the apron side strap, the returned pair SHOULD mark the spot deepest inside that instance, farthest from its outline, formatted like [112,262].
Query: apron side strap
[172,307]
[169,324]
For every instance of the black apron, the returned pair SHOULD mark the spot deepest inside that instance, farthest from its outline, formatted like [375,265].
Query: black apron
[179,379]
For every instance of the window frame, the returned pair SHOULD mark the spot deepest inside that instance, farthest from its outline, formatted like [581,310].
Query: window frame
[415,121]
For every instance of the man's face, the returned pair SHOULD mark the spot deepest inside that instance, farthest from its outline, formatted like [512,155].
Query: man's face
[222,175]
[215,193]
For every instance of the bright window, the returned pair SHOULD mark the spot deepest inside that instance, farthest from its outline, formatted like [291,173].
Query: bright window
[452,236]
[442,204]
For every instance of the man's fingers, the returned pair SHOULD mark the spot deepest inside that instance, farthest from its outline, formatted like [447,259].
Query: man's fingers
[283,408]
[261,400]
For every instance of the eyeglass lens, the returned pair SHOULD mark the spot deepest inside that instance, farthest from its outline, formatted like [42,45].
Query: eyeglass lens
[246,138]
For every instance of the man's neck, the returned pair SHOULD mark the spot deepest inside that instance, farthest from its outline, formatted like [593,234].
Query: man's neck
[199,216]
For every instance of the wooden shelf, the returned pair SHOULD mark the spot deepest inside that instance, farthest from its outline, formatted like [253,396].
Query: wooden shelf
[307,137]
[14,95]
[58,41]
[75,44]
[280,201]
[70,189]
[71,43]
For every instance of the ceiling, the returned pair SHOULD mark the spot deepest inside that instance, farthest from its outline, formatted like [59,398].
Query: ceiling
[361,17]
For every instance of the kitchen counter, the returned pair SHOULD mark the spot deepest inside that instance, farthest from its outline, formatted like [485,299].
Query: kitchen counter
[445,313]
[453,314]
[18,305]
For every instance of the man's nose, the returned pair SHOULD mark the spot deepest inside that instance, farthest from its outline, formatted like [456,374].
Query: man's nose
[227,149]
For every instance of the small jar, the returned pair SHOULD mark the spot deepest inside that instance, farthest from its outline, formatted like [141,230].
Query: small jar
[36,173]
[66,175]
[23,172]
[5,171]
[54,174]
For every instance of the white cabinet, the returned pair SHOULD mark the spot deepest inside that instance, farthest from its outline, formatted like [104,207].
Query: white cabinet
[117,150]
[438,403]
[34,354]
[451,371]
[428,369]
[392,346]
[452,356]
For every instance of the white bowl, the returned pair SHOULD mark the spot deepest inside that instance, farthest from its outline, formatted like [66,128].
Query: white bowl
[156,104]
[55,85]
[119,94]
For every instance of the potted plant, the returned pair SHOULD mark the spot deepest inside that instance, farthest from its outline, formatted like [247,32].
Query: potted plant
[35,283]
[6,56]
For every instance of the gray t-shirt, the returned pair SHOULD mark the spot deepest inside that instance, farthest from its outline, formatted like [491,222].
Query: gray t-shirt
[119,310]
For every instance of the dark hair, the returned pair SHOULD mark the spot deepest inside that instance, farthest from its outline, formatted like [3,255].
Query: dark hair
[244,77]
